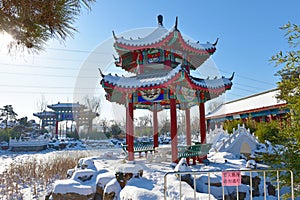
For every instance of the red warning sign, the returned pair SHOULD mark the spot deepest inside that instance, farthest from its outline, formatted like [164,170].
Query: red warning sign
[231,178]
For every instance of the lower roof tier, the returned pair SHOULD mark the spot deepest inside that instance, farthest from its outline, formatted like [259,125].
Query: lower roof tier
[146,90]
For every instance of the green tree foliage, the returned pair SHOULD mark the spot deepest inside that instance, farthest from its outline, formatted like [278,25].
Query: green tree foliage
[229,125]
[8,113]
[15,132]
[33,22]
[115,129]
[269,131]
[4,135]
[289,85]
[249,123]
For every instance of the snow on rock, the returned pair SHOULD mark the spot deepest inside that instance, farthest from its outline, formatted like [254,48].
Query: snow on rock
[187,192]
[182,166]
[140,188]
[81,184]
[103,179]
[129,168]
[215,181]
[70,172]
[251,164]
[220,157]
[83,163]
[71,186]
[112,190]
[86,163]
[84,175]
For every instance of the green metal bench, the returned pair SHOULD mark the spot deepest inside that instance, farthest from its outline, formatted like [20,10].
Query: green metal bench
[193,151]
[140,147]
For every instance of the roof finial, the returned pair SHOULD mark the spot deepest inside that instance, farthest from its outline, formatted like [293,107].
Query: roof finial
[160,20]
[115,58]
[101,73]
[231,77]
[216,42]
[176,23]
[114,35]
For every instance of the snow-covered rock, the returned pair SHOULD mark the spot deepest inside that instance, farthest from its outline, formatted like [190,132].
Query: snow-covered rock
[112,190]
[139,188]
[103,179]
[187,192]
[71,189]
[251,164]
[182,166]
[215,185]
[129,168]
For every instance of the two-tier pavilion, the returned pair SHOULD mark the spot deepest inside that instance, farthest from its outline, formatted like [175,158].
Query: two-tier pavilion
[162,62]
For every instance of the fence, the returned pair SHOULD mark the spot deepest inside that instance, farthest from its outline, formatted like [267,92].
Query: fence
[234,179]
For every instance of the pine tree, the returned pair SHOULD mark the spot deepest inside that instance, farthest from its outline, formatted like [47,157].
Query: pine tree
[289,85]
[32,23]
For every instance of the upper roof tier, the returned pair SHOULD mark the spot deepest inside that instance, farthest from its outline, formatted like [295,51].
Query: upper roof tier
[66,106]
[170,41]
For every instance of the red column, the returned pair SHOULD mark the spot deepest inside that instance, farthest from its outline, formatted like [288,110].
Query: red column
[202,123]
[56,129]
[155,128]
[130,132]
[174,141]
[188,126]
[127,122]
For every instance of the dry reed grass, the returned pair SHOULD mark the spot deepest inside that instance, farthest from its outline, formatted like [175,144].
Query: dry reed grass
[38,173]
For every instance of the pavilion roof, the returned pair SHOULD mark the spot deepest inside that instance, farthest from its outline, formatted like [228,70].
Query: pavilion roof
[142,80]
[65,106]
[159,37]
[161,79]
[45,114]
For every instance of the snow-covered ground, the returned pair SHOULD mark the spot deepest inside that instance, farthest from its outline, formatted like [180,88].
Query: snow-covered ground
[106,161]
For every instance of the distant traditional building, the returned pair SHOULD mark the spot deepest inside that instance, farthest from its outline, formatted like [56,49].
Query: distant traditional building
[66,111]
[260,107]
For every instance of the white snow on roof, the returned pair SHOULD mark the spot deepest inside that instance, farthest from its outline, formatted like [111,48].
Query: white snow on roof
[261,100]
[158,78]
[142,81]
[211,83]
[156,36]
[159,34]
[44,113]
[199,46]
[64,105]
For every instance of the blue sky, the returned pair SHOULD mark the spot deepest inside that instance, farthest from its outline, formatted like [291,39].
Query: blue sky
[248,31]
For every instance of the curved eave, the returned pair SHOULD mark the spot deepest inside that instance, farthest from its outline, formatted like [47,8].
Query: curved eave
[210,85]
[146,86]
[213,87]
[44,115]
[163,43]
